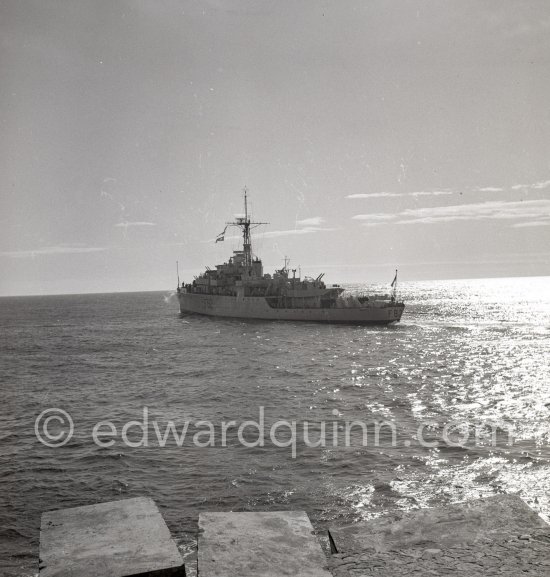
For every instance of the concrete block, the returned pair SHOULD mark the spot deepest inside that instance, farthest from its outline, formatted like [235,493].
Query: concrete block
[259,545]
[439,527]
[117,539]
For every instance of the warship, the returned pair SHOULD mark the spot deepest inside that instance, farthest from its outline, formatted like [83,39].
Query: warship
[239,288]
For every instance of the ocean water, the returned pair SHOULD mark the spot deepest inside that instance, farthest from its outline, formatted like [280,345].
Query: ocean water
[467,353]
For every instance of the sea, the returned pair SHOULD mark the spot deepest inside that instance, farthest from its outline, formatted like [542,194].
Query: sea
[458,392]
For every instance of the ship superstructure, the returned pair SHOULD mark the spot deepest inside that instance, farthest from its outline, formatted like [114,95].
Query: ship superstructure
[239,288]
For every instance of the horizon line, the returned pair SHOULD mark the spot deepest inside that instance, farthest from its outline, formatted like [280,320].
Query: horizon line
[55,294]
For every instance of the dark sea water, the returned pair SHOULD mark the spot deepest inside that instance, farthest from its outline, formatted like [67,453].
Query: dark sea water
[466,351]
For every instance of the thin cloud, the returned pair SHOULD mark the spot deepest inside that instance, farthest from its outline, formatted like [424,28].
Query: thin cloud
[534,223]
[542,184]
[375,217]
[291,232]
[384,194]
[52,250]
[533,186]
[393,194]
[375,194]
[489,210]
[313,221]
[430,193]
[138,223]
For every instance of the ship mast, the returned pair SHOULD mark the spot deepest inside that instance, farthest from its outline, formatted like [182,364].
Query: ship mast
[247,243]
[245,224]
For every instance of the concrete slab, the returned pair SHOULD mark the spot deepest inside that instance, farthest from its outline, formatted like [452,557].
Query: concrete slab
[259,545]
[117,539]
[439,527]
[506,556]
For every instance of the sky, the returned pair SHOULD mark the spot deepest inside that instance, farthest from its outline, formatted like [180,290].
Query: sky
[371,135]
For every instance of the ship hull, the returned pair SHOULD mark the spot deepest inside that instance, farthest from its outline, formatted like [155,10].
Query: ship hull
[258,308]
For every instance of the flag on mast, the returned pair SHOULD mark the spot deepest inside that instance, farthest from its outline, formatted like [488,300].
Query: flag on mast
[394,281]
[221,236]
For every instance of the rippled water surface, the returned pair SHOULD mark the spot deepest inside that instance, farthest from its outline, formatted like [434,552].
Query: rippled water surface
[465,351]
